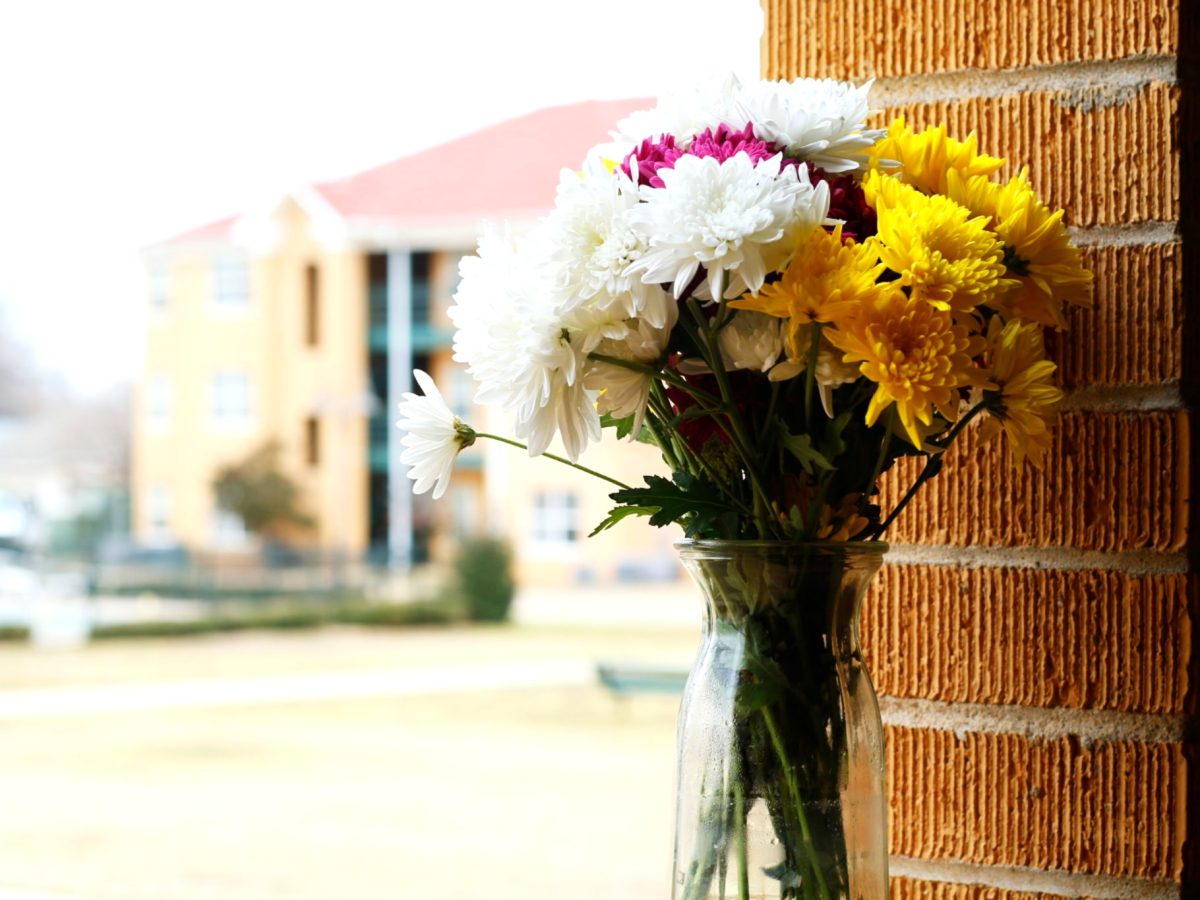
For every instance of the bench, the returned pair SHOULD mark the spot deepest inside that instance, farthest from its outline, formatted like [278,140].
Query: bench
[624,679]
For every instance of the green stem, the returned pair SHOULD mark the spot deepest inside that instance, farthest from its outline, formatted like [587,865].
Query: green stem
[810,374]
[663,373]
[789,776]
[739,822]
[771,404]
[762,503]
[932,467]
[655,421]
[884,446]
[945,442]
[556,458]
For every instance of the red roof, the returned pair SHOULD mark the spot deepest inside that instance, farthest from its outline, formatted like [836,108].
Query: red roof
[513,166]
[505,169]
[213,231]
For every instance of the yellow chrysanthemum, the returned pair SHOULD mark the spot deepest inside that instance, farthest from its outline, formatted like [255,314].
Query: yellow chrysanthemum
[1043,265]
[925,158]
[1023,402]
[948,258]
[825,281]
[915,353]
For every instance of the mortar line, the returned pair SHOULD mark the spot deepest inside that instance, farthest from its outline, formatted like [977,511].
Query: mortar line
[1124,398]
[1115,76]
[1135,234]
[1020,878]
[1137,562]
[1034,723]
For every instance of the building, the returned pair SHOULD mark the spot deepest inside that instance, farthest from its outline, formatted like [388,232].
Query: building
[299,325]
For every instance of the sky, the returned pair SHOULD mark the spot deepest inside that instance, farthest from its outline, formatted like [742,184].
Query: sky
[122,123]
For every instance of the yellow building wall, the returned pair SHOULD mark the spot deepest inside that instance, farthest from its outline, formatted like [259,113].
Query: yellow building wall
[289,381]
[494,486]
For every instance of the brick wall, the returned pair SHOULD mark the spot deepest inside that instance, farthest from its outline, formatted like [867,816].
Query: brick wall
[1034,636]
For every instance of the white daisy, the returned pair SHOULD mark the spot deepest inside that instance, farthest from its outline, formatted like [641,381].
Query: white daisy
[731,217]
[517,342]
[433,437]
[816,119]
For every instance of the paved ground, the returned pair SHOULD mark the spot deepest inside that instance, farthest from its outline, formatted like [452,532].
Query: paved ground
[472,763]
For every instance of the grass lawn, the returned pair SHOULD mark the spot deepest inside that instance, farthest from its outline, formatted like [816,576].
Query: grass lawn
[530,794]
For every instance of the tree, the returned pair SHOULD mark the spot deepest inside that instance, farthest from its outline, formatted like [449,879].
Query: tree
[261,494]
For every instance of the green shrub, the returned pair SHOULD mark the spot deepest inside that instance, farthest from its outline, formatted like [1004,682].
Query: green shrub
[483,572]
[443,611]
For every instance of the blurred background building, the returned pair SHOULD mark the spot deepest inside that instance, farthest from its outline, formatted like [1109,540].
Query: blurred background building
[284,337]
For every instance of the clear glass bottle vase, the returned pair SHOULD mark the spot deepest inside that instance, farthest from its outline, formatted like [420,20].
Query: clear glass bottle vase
[780,778]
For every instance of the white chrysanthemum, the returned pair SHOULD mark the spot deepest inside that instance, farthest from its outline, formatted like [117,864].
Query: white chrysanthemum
[518,345]
[433,437]
[816,119]
[624,392]
[684,114]
[731,217]
[596,243]
[751,341]
[831,372]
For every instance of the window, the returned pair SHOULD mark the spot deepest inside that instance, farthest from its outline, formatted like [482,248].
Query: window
[159,402]
[461,387]
[420,288]
[160,289]
[231,284]
[464,511]
[312,305]
[377,289]
[312,441]
[554,515]
[455,262]
[228,529]
[158,514]
[231,399]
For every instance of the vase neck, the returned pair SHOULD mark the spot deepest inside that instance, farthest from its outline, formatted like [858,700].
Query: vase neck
[813,591]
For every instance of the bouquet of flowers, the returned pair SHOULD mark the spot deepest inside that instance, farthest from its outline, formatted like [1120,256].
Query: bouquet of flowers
[784,302]
[779,298]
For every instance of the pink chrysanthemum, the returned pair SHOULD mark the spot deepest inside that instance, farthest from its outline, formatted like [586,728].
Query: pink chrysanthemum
[652,155]
[724,142]
[720,143]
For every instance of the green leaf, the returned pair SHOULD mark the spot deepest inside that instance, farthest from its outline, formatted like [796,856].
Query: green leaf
[751,697]
[693,502]
[697,412]
[621,512]
[623,426]
[833,444]
[801,447]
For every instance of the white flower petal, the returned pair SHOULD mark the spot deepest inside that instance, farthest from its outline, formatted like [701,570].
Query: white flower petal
[514,321]
[432,437]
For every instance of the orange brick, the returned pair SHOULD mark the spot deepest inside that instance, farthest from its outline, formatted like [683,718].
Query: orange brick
[1030,637]
[1134,333]
[1112,482]
[917,889]
[1112,808]
[1105,161]
[882,38]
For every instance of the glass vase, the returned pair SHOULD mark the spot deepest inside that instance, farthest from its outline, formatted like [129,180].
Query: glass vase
[780,788]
